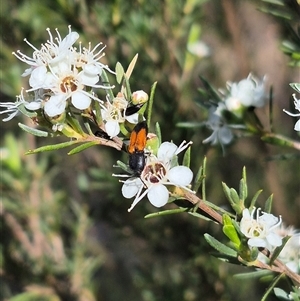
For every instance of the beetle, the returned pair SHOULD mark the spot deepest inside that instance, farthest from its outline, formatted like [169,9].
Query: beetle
[136,148]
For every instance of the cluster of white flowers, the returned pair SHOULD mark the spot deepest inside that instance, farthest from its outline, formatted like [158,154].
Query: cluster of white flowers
[261,229]
[290,254]
[62,77]
[160,171]
[249,92]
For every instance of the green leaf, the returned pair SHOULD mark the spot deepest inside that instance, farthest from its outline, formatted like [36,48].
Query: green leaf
[254,199]
[252,275]
[158,132]
[211,90]
[199,215]
[34,131]
[198,179]
[243,187]
[150,104]
[223,249]
[277,250]
[230,231]
[119,72]
[271,287]
[52,147]
[278,140]
[26,112]
[268,205]
[281,294]
[82,147]
[233,198]
[187,157]
[166,212]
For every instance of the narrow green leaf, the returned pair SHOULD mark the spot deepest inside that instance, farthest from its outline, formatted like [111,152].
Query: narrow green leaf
[254,199]
[166,212]
[127,88]
[211,90]
[271,287]
[187,157]
[219,246]
[74,124]
[271,109]
[105,81]
[82,147]
[268,205]
[199,215]
[226,190]
[150,103]
[198,179]
[119,72]
[243,186]
[52,147]
[252,275]
[26,112]
[277,250]
[33,131]
[158,132]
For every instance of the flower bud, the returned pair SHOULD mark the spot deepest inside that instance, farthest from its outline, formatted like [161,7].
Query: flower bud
[139,97]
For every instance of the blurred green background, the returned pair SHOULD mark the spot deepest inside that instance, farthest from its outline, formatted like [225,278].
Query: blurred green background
[65,232]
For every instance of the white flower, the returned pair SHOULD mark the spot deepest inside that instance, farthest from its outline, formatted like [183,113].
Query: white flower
[159,171]
[64,81]
[297,107]
[222,134]
[12,108]
[113,113]
[260,230]
[248,92]
[89,59]
[53,51]
[64,73]
[290,254]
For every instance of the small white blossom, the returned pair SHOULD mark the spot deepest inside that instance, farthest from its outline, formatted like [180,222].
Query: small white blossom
[89,59]
[64,73]
[260,230]
[53,51]
[248,92]
[290,254]
[12,108]
[113,113]
[221,134]
[297,107]
[159,171]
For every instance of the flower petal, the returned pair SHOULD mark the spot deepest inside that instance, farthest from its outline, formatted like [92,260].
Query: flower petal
[166,151]
[112,128]
[257,242]
[180,175]
[158,195]
[56,105]
[274,240]
[131,187]
[80,100]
